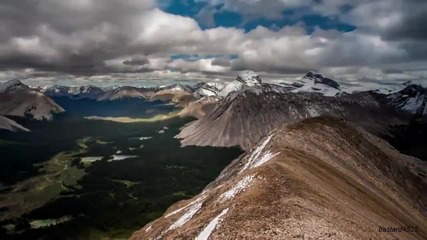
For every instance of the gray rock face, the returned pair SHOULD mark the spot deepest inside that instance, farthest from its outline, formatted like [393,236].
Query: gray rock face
[17,99]
[243,117]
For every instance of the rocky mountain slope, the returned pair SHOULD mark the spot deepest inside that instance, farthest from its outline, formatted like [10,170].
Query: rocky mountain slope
[10,125]
[17,99]
[200,107]
[251,111]
[321,178]
[178,94]
[412,99]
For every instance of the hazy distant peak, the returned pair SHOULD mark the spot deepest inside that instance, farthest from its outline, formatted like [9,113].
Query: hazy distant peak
[318,78]
[249,78]
[10,84]
[411,99]
[211,89]
[315,82]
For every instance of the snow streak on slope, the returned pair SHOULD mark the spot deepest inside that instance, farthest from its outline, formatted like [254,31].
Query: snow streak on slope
[236,189]
[186,216]
[204,235]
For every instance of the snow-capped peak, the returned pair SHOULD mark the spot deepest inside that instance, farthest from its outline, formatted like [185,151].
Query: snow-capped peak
[249,78]
[175,88]
[209,89]
[412,99]
[315,82]
[246,79]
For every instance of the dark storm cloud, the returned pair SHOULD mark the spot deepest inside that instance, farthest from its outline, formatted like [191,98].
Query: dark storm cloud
[392,71]
[411,27]
[417,49]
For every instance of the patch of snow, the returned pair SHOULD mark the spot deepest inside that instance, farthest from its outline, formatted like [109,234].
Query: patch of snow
[231,87]
[215,85]
[118,152]
[413,104]
[186,206]
[207,231]
[176,88]
[255,154]
[186,216]
[314,82]
[249,78]
[148,229]
[319,88]
[265,158]
[206,92]
[239,187]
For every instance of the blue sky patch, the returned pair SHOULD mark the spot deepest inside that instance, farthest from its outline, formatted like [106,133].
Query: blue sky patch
[223,18]
[195,57]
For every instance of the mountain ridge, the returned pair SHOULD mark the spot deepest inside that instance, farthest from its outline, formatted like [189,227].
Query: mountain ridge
[320,178]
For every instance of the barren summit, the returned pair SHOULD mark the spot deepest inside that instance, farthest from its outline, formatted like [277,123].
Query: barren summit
[321,178]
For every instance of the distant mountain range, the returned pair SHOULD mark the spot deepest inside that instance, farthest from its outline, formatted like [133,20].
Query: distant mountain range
[97,93]
[250,109]
[309,96]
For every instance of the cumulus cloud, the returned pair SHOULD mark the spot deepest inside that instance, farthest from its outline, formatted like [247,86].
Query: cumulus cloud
[139,60]
[222,62]
[89,38]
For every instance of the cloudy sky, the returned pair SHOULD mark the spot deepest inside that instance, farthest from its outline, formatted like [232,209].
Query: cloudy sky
[141,42]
